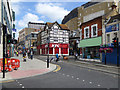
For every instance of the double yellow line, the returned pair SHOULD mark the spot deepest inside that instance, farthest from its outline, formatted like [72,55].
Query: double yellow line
[58,68]
[7,81]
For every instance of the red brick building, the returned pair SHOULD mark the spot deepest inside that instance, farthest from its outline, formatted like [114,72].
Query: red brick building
[91,38]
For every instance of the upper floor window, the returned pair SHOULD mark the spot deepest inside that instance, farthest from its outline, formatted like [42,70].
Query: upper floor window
[86,32]
[94,30]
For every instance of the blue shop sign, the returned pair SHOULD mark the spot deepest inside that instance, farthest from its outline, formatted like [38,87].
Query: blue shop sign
[111,28]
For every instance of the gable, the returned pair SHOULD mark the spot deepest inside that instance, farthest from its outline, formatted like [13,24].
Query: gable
[55,26]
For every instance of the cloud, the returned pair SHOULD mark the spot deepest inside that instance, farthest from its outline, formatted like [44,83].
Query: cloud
[51,10]
[16,8]
[29,17]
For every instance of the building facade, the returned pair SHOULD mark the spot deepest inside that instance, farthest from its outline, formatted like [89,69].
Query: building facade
[58,35]
[23,37]
[91,38]
[90,18]
[36,25]
[71,20]
[112,29]
[6,18]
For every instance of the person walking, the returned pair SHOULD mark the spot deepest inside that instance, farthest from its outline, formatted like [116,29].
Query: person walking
[24,56]
[17,53]
[31,54]
[76,55]
[57,57]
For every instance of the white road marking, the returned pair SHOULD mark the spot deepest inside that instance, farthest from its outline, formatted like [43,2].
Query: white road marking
[68,75]
[20,84]
[98,85]
[77,78]
[90,82]
[23,87]
[83,80]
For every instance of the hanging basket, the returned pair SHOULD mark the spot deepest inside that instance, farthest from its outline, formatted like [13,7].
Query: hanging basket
[101,50]
[108,50]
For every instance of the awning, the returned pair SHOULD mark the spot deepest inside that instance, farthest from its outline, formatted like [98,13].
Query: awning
[90,42]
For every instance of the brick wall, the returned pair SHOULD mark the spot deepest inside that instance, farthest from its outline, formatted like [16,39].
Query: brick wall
[94,21]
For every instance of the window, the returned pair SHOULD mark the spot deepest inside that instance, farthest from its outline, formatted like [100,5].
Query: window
[86,32]
[94,30]
[80,14]
[81,34]
[108,4]
[108,38]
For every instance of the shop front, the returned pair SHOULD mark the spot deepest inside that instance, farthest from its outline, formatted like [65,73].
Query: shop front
[89,48]
[91,52]
[54,48]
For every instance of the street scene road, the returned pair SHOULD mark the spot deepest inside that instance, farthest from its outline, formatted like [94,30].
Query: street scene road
[59,44]
[68,76]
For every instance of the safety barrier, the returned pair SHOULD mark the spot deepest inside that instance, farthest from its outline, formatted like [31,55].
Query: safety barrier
[10,64]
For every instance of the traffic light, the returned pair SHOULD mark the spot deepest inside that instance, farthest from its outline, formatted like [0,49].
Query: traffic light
[115,41]
[9,38]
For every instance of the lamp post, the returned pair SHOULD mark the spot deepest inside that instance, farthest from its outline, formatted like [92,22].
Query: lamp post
[48,53]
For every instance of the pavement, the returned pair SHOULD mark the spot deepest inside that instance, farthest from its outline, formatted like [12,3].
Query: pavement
[94,65]
[28,69]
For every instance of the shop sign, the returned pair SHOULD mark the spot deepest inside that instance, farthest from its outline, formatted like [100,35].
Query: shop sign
[55,45]
[46,45]
[111,28]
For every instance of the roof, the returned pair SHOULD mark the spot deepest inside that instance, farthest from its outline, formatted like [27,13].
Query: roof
[113,18]
[49,24]
[63,26]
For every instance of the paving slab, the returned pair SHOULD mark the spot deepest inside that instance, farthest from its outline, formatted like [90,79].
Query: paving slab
[28,69]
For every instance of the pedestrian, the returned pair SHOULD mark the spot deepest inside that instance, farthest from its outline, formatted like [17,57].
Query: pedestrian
[76,55]
[24,56]
[31,54]
[57,57]
[17,53]
[28,53]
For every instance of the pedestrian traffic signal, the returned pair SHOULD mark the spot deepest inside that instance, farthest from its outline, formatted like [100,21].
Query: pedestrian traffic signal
[115,41]
[9,38]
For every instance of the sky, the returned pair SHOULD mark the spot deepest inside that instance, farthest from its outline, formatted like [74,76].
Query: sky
[41,12]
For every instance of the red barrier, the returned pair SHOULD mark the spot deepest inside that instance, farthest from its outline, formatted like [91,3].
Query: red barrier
[6,67]
[10,64]
[15,63]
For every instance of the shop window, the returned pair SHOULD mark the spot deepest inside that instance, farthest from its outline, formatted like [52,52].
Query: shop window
[86,32]
[94,30]
[64,50]
[56,50]
[50,50]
